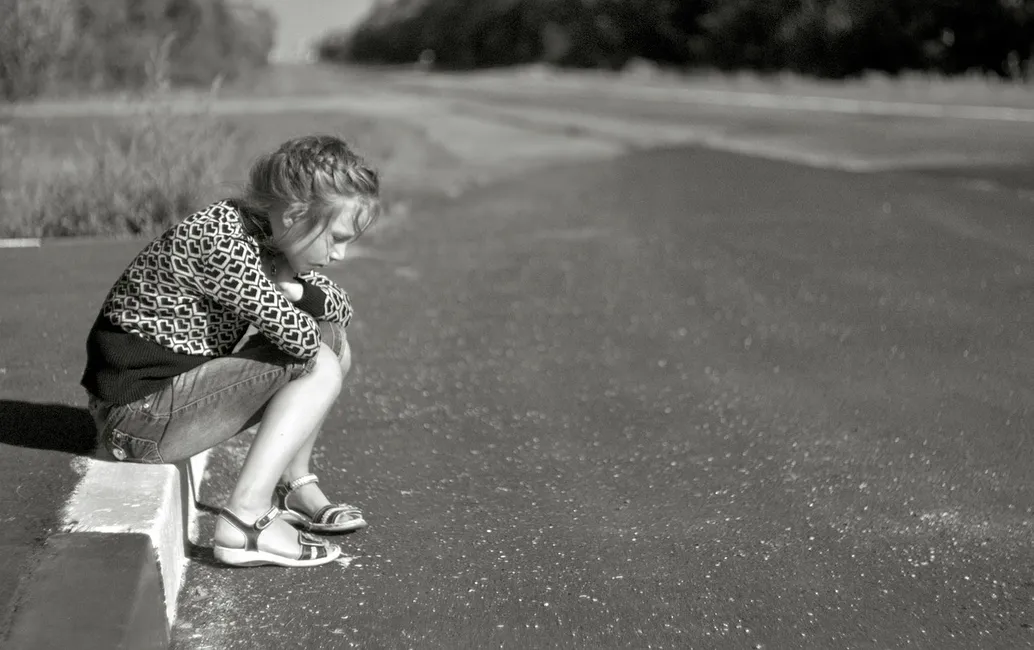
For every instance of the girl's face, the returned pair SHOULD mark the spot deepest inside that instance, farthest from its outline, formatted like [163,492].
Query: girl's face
[314,250]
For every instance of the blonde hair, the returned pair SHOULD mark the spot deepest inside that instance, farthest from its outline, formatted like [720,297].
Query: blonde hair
[309,179]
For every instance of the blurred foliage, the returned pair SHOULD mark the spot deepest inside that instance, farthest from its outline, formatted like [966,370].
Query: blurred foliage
[135,178]
[826,38]
[59,46]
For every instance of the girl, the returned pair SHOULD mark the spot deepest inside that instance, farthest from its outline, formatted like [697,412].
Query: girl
[167,373]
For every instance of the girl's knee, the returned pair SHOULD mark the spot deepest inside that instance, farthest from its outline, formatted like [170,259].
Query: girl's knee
[327,367]
[335,338]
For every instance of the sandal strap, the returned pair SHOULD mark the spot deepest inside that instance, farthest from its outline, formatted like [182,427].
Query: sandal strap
[252,531]
[311,547]
[328,514]
[300,481]
[265,520]
[284,490]
[308,539]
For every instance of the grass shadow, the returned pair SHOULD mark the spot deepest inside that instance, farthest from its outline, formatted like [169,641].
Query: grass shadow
[50,427]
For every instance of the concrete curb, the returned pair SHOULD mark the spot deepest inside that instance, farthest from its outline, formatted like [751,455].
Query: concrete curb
[111,577]
[92,590]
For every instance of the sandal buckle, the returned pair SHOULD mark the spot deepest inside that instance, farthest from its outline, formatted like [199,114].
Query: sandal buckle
[265,520]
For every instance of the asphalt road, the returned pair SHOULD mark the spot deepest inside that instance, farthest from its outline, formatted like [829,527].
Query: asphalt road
[653,402]
[684,399]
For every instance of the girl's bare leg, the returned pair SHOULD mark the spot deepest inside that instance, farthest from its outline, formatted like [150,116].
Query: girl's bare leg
[288,423]
[310,498]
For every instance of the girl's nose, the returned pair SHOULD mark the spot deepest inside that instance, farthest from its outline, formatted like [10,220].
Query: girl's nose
[337,253]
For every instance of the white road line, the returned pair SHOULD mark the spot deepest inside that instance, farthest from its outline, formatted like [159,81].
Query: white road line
[20,243]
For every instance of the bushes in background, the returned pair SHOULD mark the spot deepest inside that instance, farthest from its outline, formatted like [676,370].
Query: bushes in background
[35,39]
[837,38]
[829,38]
[76,45]
[136,176]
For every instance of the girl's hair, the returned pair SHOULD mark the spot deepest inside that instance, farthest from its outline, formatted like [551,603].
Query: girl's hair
[310,179]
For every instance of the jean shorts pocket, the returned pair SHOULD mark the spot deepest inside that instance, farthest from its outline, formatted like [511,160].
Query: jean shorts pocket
[125,447]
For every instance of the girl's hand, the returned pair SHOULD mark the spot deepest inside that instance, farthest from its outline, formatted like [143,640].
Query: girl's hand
[283,278]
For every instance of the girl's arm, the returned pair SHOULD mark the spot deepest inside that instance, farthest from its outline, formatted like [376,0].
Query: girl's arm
[324,299]
[232,274]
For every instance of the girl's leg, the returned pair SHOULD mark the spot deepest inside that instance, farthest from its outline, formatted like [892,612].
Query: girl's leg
[310,498]
[288,423]
[217,400]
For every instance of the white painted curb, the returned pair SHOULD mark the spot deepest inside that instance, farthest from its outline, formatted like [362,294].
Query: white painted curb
[159,501]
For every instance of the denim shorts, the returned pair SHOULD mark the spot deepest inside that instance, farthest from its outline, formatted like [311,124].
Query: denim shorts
[204,406]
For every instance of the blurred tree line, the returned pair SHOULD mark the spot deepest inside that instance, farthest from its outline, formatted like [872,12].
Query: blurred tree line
[67,46]
[825,38]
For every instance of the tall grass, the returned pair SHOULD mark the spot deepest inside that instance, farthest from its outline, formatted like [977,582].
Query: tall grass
[131,181]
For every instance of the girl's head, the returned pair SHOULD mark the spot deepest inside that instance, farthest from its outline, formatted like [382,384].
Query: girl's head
[313,196]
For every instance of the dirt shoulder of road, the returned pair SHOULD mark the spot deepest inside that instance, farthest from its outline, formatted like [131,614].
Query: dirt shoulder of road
[910,87]
[913,87]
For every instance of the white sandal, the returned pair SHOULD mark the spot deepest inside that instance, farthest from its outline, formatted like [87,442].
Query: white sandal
[328,519]
[313,551]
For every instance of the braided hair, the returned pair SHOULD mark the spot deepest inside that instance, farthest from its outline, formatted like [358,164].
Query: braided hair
[309,179]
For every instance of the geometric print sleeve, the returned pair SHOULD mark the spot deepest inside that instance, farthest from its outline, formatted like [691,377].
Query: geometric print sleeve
[231,274]
[337,307]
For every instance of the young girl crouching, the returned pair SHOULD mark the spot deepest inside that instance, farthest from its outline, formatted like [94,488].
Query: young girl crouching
[169,376]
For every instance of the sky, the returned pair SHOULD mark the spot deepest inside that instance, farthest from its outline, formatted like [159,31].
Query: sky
[303,21]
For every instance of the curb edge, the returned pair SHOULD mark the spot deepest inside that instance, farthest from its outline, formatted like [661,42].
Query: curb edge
[162,507]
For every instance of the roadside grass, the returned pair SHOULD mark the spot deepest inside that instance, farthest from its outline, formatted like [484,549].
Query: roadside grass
[121,177]
[133,177]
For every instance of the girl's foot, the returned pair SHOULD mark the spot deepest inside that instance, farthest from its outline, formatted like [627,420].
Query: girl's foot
[304,504]
[267,539]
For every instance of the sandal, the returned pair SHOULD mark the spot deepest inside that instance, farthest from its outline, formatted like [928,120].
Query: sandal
[328,519]
[313,551]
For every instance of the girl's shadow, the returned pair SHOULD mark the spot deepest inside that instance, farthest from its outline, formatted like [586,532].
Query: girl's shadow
[51,427]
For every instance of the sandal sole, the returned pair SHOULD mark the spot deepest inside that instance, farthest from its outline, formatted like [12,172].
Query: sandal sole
[241,558]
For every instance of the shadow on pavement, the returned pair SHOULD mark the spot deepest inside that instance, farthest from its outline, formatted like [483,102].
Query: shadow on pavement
[51,427]
[203,555]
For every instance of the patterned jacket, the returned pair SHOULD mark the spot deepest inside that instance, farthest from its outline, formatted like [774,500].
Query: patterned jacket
[189,296]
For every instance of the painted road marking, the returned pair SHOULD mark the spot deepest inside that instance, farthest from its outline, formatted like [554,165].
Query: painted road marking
[27,242]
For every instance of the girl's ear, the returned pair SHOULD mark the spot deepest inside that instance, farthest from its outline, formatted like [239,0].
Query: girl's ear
[292,215]
[288,218]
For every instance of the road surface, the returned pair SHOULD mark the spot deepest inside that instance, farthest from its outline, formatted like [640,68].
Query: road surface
[684,399]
